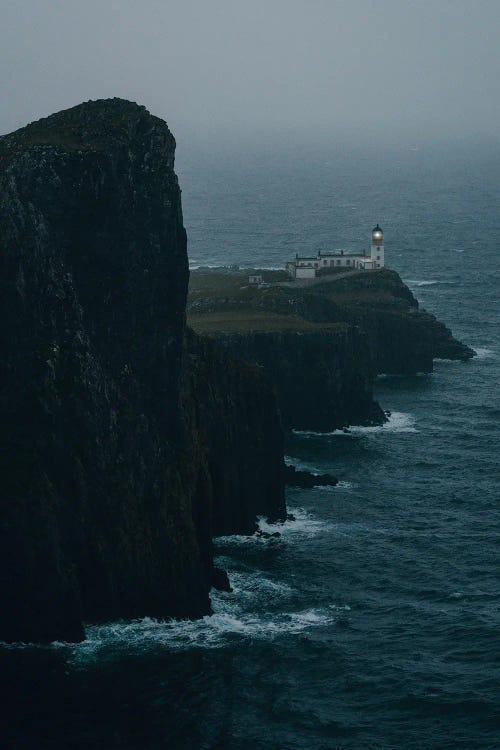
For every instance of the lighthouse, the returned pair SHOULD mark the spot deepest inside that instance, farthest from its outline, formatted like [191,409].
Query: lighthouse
[322,264]
[377,247]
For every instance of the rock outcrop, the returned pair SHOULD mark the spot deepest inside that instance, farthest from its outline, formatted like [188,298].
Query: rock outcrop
[403,339]
[323,378]
[306,479]
[117,432]
[322,345]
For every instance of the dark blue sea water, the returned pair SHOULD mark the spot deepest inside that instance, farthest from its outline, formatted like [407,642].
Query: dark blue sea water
[372,622]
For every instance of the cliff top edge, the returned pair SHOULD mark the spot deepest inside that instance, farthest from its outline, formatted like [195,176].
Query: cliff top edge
[93,125]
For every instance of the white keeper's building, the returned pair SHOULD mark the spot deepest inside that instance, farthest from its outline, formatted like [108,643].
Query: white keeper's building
[324,263]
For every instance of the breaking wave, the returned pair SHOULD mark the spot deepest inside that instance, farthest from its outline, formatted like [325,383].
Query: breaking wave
[421,282]
[302,465]
[483,353]
[397,422]
[300,524]
[212,631]
[248,612]
[341,485]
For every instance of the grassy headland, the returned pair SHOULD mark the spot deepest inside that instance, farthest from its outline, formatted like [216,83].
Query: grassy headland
[223,300]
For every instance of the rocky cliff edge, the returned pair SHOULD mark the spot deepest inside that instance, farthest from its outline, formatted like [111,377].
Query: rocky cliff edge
[118,427]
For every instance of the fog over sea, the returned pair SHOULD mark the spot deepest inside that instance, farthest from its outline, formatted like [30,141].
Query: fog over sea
[373,620]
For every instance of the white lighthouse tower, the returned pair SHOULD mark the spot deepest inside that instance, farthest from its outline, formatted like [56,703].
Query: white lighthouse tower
[377,248]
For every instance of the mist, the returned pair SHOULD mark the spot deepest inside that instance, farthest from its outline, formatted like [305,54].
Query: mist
[277,70]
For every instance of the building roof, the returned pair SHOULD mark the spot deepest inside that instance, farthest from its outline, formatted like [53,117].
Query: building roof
[338,254]
[349,256]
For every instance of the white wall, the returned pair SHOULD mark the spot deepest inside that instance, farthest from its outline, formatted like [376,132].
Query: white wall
[305,272]
[306,269]
[378,251]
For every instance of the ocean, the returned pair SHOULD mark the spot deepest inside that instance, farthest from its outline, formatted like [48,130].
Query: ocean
[372,621]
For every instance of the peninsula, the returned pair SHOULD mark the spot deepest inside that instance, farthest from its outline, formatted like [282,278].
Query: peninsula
[321,338]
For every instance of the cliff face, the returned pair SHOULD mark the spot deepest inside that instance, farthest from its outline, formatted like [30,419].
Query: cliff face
[406,343]
[323,378]
[322,368]
[403,340]
[231,410]
[108,498]
[322,345]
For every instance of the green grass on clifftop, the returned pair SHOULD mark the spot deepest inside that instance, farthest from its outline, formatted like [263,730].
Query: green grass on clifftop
[223,301]
[90,126]
[250,321]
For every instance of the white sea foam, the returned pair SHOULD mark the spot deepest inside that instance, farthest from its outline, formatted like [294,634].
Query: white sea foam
[303,524]
[250,585]
[302,465]
[236,540]
[233,617]
[421,282]
[243,613]
[229,621]
[341,485]
[398,422]
[483,353]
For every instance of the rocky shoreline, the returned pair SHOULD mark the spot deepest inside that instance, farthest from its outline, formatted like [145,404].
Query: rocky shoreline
[128,441]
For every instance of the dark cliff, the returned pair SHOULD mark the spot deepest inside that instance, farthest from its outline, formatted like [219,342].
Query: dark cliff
[231,410]
[322,367]
[403,340]
[323,378]
[322,344]
[108,462]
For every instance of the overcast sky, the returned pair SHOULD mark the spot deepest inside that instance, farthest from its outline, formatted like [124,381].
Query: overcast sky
[404,67]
